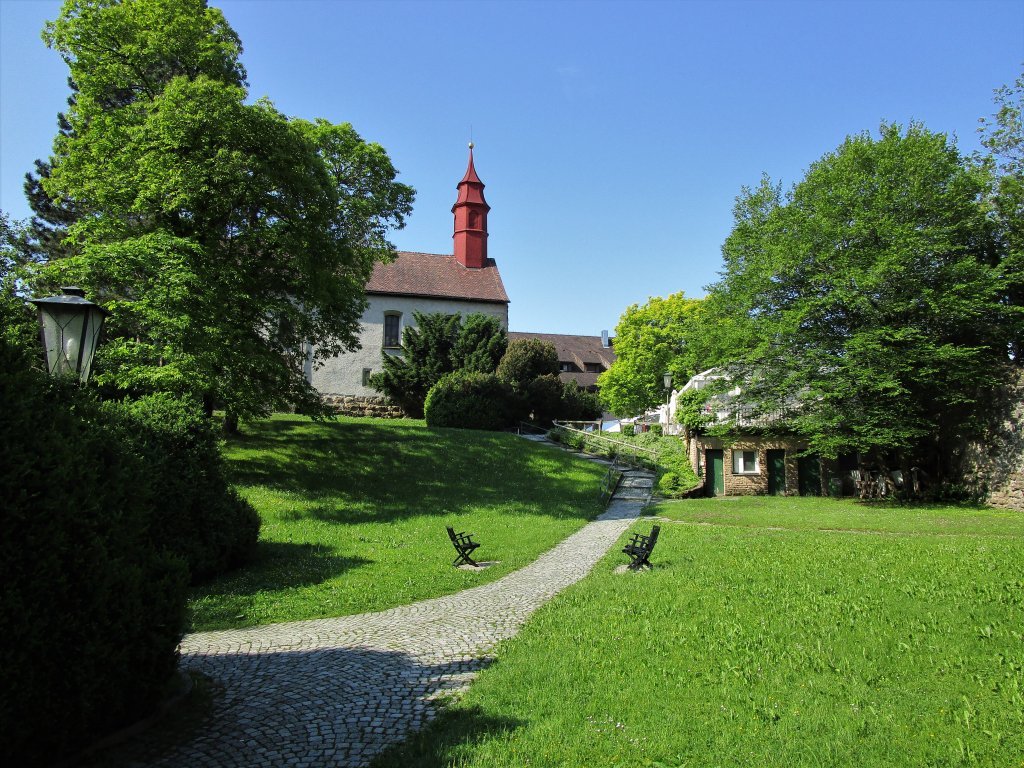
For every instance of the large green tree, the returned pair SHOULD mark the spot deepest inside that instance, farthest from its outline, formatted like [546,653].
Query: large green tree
[872,298]
[1003,137]
[665,334]
[434,345]
[225,238]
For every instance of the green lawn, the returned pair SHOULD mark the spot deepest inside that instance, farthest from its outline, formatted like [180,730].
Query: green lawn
[354,514]
[760,640]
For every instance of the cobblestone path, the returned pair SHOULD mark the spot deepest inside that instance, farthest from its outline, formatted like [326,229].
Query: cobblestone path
[334,692]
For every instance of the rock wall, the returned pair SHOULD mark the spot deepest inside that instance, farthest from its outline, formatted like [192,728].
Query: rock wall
[997,467]
[359,405]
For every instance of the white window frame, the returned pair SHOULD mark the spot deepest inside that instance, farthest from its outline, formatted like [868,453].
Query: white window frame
[738,462]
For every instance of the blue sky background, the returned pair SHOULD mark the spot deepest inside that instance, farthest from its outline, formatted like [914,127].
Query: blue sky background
[612,137]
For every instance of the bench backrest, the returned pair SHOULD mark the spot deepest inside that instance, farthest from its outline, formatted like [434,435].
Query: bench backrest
[452,535]
[653,538]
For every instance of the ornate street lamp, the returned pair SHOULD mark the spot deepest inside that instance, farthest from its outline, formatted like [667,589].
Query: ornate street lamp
[667,381]
[70,329]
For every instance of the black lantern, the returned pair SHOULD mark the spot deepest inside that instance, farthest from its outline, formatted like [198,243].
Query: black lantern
[667,380]
[70,328]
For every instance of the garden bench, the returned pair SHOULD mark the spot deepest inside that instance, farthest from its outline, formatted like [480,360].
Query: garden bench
[640,547]
[464,545]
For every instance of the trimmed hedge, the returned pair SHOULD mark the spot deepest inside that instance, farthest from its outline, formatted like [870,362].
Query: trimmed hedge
[471,401]
[105,509]
[195,514]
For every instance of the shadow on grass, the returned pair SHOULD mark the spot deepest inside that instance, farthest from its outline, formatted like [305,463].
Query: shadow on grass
[260,710]
[441,743]
[276,566]
[381,472]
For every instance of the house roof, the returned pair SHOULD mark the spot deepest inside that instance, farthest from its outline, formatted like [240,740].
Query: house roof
[578,350]
[573,349]
[439,276]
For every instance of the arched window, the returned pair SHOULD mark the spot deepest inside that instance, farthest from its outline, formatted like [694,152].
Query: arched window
[392,330]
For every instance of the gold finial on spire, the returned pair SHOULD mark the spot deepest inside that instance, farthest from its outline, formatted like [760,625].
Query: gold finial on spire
[471,145]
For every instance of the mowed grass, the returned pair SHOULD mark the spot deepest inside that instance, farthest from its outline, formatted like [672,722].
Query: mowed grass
[770,644]
[354,514]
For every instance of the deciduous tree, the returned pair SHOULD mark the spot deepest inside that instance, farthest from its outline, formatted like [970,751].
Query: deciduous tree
[225,238]
[665,334]
[873,296]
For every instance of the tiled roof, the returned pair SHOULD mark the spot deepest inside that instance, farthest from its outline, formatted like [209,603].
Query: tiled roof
[578,350]
[435,275]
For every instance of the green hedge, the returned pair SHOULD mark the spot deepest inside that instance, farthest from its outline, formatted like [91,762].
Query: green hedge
[194,512]
[105,508]
[471,401]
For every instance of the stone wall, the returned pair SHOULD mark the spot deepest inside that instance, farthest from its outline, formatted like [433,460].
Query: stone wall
[997,467]
[358,405]
[752,483]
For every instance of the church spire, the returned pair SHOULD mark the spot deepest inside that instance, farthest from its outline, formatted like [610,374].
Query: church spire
[470,211]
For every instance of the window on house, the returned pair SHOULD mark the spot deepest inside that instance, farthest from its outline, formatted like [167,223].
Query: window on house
[392,329]
[565,367]
[744,463]
[366,376]
[592,367]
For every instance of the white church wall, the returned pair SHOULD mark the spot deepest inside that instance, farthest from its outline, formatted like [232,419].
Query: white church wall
[342,376]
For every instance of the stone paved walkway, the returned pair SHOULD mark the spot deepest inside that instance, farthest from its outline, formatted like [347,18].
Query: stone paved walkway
[334,692]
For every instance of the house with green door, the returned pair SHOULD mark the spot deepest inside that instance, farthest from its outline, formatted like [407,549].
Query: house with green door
[757,458]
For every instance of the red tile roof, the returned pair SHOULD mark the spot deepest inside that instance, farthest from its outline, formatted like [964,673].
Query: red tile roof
[438,276]
[578,350]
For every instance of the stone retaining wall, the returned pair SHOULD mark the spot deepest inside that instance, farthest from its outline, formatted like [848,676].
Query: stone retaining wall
[358,405]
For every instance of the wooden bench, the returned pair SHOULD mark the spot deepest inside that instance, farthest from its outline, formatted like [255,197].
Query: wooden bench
[640,547]
[464,545]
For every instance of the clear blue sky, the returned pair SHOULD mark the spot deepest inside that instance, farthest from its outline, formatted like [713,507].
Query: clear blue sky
[612,137]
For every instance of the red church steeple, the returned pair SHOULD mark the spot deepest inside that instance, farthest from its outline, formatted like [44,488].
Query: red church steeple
[470,211]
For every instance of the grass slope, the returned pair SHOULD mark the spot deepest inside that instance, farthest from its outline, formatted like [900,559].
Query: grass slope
[764,642]
[354,514]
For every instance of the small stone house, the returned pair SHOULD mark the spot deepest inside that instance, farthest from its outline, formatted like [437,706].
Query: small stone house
[464,282]
[750,462]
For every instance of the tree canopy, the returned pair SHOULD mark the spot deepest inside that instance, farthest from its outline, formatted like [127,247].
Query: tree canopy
[871,302]
[226,239]
[665,334]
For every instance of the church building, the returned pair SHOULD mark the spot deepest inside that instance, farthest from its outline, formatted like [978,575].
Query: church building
[465,282]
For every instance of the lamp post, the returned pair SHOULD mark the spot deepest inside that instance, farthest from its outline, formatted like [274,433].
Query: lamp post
[70,329]
[666,379]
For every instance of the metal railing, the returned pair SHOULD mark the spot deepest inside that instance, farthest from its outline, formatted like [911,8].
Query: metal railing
[618,450]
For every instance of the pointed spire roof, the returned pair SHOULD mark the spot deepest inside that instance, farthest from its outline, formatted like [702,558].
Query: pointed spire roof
[470,169]
[471,189]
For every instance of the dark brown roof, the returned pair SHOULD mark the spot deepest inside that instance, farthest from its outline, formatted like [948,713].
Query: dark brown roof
[435,275]
[578,350]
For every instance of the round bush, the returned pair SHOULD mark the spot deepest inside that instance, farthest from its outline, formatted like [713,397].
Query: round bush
[471,401]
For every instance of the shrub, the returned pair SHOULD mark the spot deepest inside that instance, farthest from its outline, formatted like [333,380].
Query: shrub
[194,513]
[469,400]
[92,608]
[670,484]
[628,430]
[106,508]
[578,404]
[526,360]
[656,429]
[543,399]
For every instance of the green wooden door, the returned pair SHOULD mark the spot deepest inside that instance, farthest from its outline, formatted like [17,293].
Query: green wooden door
[809,474]
[776,472]
[714,479]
